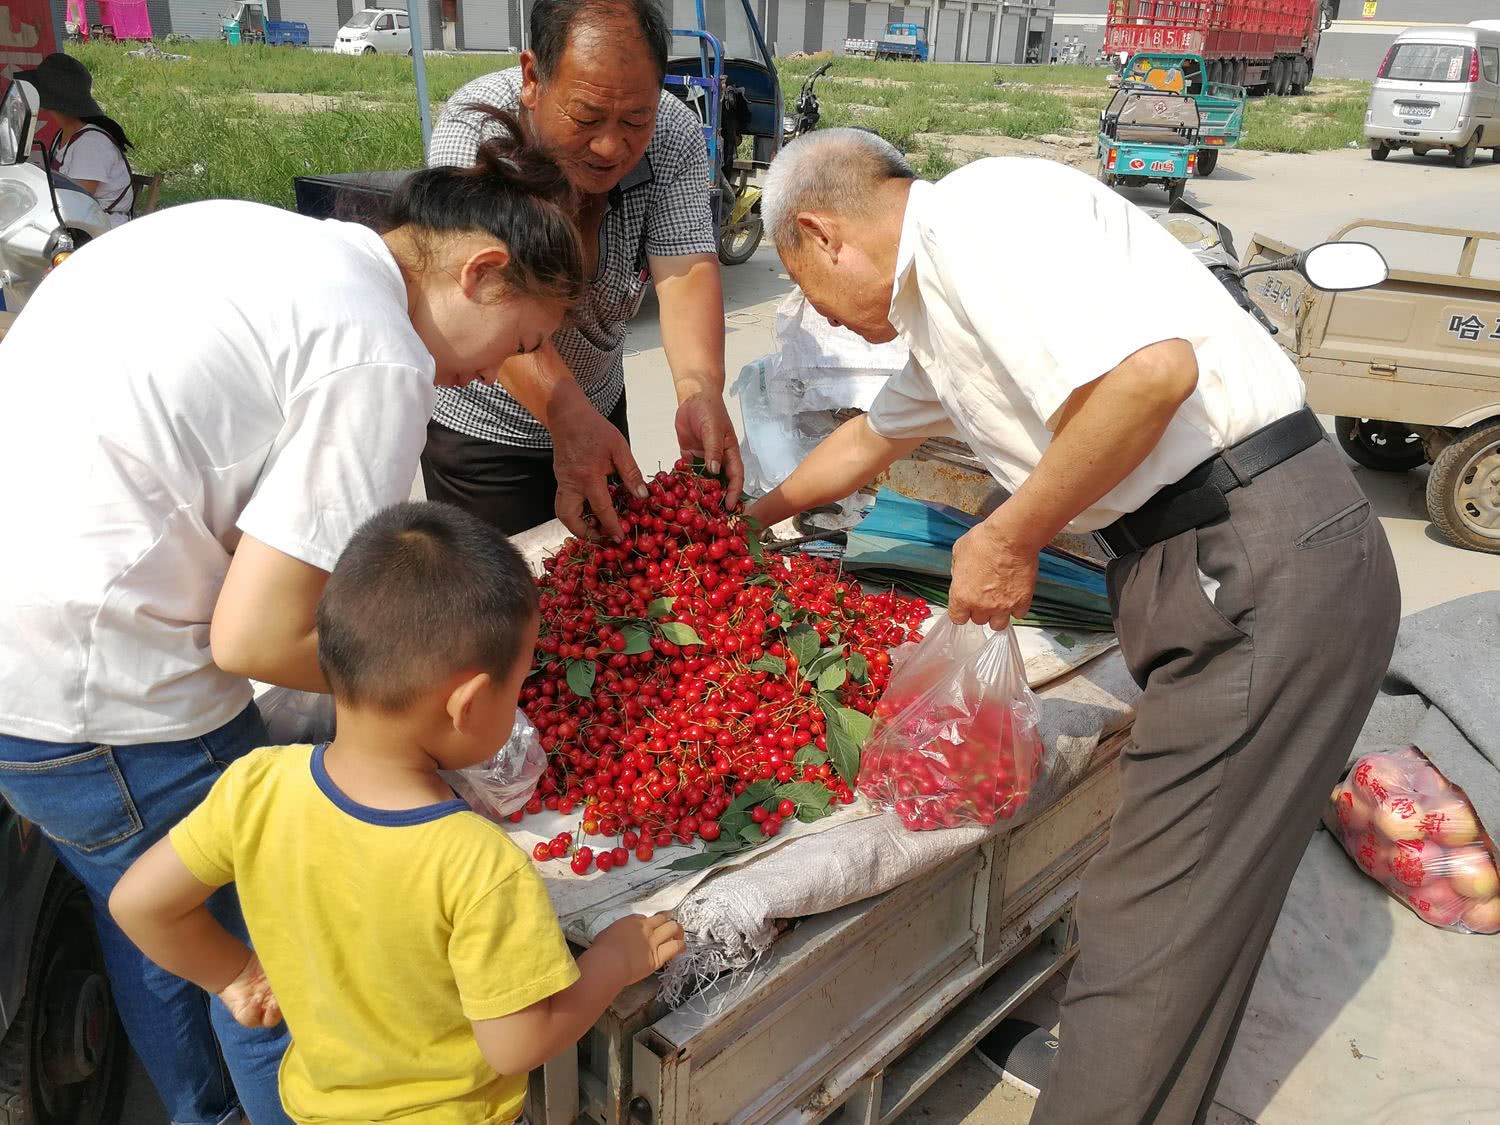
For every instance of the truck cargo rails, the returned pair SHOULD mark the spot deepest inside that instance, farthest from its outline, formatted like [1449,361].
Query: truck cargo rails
[1266,46]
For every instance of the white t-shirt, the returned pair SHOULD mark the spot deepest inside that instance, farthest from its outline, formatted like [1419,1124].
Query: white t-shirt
[1018,281]
[209,370]
[93,155]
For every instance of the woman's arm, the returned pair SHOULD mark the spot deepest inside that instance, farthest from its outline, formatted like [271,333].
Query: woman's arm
[264,624]
[844,462]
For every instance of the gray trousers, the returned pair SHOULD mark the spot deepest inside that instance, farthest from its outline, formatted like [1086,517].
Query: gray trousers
[1252,701]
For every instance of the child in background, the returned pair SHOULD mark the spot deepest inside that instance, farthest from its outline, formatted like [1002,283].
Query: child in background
[410,944]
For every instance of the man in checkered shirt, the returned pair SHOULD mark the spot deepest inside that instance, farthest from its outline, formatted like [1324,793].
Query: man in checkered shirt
[590,89]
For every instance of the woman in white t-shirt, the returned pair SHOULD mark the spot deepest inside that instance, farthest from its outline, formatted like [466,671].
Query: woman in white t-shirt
[90,145]
[178,478]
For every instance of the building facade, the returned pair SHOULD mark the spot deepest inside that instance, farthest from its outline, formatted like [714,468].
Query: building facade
[203,19]
[958,30]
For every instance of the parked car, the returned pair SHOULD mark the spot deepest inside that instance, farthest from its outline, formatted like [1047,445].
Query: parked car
[375,31]
[1438,87]
[63,1054]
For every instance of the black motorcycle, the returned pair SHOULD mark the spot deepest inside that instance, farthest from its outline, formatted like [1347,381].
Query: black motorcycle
[806,111]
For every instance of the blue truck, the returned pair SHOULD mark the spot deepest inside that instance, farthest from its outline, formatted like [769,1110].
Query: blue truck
[904,41]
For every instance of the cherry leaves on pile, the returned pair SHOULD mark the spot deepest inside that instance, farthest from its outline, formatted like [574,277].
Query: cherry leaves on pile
[689,688]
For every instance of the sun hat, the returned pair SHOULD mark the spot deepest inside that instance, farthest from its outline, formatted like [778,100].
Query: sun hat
[63,85]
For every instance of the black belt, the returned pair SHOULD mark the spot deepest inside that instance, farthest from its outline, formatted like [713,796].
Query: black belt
[1200,497]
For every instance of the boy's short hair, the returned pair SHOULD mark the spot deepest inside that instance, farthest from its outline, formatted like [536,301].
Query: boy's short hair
[422,591]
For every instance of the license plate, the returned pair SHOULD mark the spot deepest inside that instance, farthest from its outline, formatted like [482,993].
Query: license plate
[1163,166]
[1414,110]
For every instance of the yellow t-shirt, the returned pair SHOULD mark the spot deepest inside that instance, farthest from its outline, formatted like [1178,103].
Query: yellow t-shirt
[383,933]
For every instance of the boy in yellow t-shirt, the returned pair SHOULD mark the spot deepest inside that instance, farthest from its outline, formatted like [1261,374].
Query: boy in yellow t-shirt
[409,942]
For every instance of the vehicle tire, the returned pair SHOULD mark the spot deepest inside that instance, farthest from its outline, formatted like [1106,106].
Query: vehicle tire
[1300,76]
[368,51]
[1175,188]
[1463,157]
[1463,492]
[63,1061]
[1379,151]
[1208,160]
[1387,447]
[1240,70]
[736,244]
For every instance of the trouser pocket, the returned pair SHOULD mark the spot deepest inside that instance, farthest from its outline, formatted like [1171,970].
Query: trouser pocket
[75,794]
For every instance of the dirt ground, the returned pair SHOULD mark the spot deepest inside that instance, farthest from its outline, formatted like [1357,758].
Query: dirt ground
[319,103]
[1074,151]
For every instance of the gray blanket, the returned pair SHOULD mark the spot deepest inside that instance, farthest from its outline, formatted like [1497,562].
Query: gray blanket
[1442,695]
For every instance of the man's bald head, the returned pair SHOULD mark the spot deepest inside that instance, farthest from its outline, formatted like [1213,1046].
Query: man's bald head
[830,171]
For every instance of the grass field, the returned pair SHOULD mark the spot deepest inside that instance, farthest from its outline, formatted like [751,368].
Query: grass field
[240,122]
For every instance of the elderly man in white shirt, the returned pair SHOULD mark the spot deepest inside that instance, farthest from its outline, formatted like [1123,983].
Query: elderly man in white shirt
[1113,386]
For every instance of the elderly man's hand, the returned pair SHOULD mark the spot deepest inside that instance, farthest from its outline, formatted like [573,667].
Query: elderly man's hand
[704,430]
[993,579]
[586,449]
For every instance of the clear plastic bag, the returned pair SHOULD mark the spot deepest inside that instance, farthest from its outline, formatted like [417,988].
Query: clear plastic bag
[955,738]
[1416,835]
[502,786]
[294,717]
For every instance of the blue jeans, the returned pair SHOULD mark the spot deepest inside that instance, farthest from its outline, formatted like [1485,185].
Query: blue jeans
[102,807]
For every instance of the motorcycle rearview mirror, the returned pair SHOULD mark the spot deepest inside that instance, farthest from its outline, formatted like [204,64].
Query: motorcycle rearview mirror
[18,121]
[1332,266]
[1337,266]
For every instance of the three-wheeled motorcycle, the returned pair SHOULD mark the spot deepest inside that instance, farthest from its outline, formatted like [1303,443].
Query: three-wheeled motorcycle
[726,75]
[1149,136]
[1221,105]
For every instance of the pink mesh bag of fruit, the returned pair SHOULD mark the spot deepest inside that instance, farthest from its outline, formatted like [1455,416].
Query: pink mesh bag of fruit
[1417,835]
[955,738]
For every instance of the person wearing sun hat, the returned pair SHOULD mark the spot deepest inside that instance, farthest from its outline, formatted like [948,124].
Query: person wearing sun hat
[90,145]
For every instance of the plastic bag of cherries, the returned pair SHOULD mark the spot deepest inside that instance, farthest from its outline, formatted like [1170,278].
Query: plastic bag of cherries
[955,738]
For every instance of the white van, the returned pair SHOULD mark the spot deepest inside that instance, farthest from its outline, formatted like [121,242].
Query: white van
[375,31]
[1438,87]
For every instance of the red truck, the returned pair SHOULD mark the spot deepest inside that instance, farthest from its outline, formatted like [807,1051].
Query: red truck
[1267,46]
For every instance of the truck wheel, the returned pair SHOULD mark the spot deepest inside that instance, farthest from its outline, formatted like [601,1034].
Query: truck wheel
[1463,492]
[63,1060]
[1379,151]
[1388,447]
[1464,157]
[1208,160]
[1300,76]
